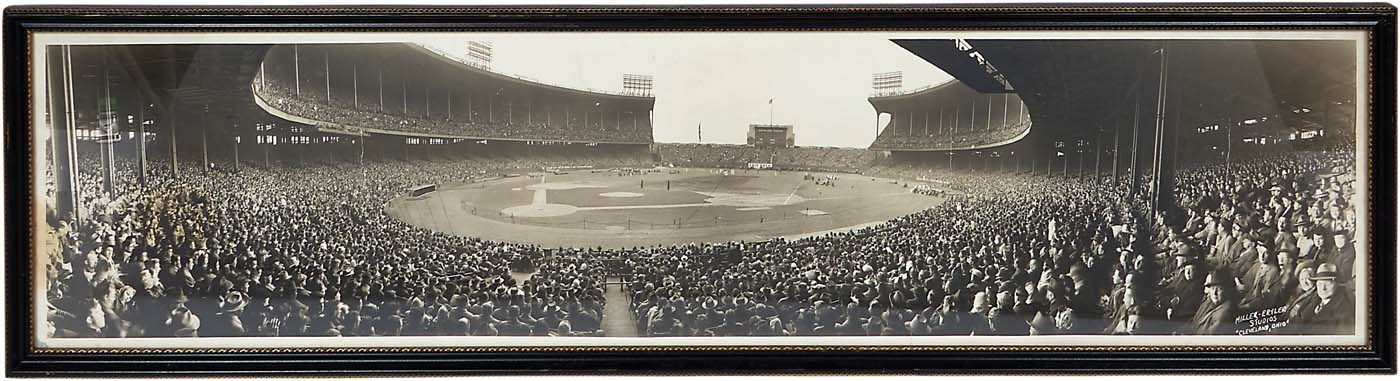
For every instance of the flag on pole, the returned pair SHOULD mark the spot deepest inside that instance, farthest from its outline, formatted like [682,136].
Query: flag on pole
[698,136]
[770,111]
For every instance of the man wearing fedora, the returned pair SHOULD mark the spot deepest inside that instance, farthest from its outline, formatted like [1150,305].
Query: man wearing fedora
[1219,319]
[1184,296]
[1334,312]
[227,322]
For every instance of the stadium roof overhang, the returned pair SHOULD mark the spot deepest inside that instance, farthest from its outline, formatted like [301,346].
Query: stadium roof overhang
[210,80]
[1069,85]
[948,92]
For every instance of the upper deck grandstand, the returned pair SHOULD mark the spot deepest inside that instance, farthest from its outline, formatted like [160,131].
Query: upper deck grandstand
[410,90]
[949,116]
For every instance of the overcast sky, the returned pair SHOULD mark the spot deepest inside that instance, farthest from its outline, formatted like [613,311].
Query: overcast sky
[818,81]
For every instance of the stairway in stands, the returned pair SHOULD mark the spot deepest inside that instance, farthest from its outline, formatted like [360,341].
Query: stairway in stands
[617,315]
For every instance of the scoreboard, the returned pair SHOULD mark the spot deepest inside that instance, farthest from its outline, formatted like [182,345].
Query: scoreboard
[771,135]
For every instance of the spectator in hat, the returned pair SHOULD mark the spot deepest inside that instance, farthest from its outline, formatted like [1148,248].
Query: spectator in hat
[1186,296]
[227,321]
[1219,319]
[1335,311]
[174,306]
[1264,289]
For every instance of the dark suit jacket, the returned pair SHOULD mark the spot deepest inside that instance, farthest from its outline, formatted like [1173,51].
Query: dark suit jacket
[1345,260]
[1218,320]
[1300,309]
[1264,289]
[1337,317]
[1189,297]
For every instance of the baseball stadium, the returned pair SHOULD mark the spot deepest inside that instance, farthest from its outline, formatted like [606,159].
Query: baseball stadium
[1046,187]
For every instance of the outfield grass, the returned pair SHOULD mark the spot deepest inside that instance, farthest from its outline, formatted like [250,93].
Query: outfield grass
[700,206]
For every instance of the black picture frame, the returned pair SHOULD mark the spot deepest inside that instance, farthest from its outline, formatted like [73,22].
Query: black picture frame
[1378,356]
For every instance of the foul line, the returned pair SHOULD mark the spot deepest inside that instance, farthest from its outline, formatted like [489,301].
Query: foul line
[541,197]
[788,200]
[860,196]
[664,206]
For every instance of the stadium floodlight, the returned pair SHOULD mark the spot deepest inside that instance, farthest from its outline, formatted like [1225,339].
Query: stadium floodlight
[887,82]
[480,53]
[636,84]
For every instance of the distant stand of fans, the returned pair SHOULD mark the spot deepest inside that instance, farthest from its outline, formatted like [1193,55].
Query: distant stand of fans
[734,156]
[342,112]
[891,138]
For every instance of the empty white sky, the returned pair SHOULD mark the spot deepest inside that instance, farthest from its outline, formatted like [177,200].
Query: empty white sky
[818,81]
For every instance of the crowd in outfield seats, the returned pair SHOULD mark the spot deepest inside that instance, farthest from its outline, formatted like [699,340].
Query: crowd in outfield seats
[346,113]
[737,156]
[248,253]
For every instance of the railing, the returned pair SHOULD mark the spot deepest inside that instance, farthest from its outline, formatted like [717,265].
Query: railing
[895,93]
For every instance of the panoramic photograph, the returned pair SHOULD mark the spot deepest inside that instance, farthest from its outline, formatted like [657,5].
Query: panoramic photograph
[689,188]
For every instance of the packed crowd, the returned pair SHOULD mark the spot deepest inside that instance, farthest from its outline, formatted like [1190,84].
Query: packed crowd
[247,253]
[793,159]
[929,190]
[1031,255]
[892,138]
[343,112]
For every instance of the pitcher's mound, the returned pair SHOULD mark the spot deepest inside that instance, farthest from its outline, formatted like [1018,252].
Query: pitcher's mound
[540,210]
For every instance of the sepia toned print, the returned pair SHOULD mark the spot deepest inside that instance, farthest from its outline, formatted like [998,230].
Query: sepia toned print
[578,187]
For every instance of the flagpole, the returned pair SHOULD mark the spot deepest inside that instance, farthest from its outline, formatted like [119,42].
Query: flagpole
[770,111]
